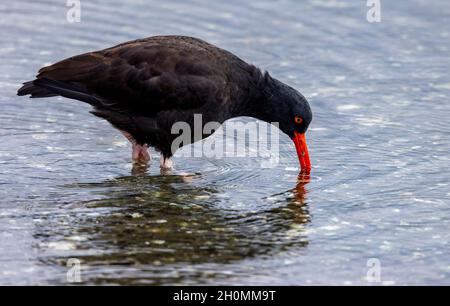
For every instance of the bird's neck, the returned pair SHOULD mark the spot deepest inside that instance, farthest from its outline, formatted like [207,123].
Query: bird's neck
[260,101]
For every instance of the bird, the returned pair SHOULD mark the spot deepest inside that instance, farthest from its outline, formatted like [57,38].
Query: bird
[143,87]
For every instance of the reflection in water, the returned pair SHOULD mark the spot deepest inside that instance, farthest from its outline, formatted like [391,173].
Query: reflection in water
[300,190]
[142,170]
[155,222]
[139,169]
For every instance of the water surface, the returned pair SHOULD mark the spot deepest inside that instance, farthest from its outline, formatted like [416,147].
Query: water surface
[379,144]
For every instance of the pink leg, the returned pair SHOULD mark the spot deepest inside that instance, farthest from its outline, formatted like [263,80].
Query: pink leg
[140,153]
[166,163]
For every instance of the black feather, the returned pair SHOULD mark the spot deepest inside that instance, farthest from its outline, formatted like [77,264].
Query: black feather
[68,90]
[29,88]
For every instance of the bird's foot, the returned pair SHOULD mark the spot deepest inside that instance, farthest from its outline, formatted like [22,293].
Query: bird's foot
[140,154]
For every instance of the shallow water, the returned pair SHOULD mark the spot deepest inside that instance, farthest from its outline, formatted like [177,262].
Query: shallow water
[379,145]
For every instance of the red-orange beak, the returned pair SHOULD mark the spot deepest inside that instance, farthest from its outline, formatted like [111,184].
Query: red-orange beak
[302,152]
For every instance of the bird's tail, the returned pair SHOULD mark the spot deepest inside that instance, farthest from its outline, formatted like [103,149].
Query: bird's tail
[34,91]
[45,87]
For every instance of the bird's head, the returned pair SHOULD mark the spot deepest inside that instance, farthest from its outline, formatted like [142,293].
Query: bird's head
[292,112]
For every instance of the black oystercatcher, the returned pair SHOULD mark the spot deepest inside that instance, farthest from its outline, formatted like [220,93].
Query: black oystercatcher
[143,87]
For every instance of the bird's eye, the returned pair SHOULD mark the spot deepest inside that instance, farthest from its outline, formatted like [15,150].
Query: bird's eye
[298,119]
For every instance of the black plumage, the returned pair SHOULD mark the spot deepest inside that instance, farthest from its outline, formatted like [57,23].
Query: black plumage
[143,87]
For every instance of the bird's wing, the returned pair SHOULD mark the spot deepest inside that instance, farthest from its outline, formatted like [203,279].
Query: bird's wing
[137,78]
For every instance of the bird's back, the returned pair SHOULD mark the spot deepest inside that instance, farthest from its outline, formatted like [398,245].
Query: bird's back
[147,75]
